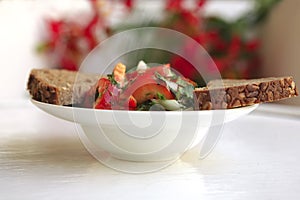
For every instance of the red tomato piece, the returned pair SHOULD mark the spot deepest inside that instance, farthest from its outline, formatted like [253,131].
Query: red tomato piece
[132,103]
[150,91]
[146,86]
[105,94]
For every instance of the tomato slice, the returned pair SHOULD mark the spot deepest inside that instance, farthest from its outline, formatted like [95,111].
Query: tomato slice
[105,94]
[146,86]
[109,97]
[151,91]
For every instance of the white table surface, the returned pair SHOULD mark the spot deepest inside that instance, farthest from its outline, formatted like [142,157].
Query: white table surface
[258,157]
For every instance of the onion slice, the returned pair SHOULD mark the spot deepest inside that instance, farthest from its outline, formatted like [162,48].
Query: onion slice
[169,104]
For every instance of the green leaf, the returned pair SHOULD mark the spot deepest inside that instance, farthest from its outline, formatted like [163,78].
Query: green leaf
[112,79]
[184,91]
[170,84]
[145,106]
[185,88]
[160,96]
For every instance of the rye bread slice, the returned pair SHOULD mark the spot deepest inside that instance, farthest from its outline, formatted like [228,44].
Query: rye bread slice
[233,93]
[59,87]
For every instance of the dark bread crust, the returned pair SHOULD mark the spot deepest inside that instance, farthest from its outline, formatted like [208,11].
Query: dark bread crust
[59,87]
[226,94]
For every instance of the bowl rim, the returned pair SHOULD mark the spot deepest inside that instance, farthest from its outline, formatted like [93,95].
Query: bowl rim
[36,102]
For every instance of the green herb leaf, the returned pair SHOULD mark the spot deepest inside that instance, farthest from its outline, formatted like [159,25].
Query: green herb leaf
[170,84]
[145,106]
[112,79]
[160,96]
[183,90]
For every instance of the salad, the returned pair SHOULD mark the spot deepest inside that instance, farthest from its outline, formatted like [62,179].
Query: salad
[144,88]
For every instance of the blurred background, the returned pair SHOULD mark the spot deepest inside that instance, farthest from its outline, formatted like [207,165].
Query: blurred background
[245,38]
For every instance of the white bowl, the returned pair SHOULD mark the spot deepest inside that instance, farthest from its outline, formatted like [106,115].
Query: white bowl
[144,135]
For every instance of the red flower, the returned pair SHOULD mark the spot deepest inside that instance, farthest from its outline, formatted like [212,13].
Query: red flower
[68,63]
[217,42]
[67,39]
[235,46]
[201,3]
[252,45]
[184,67]
[55,28]
[221,64]
[200,38]
[189,18]
[89,31]
[174,4]
[186,22]
[129,4]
